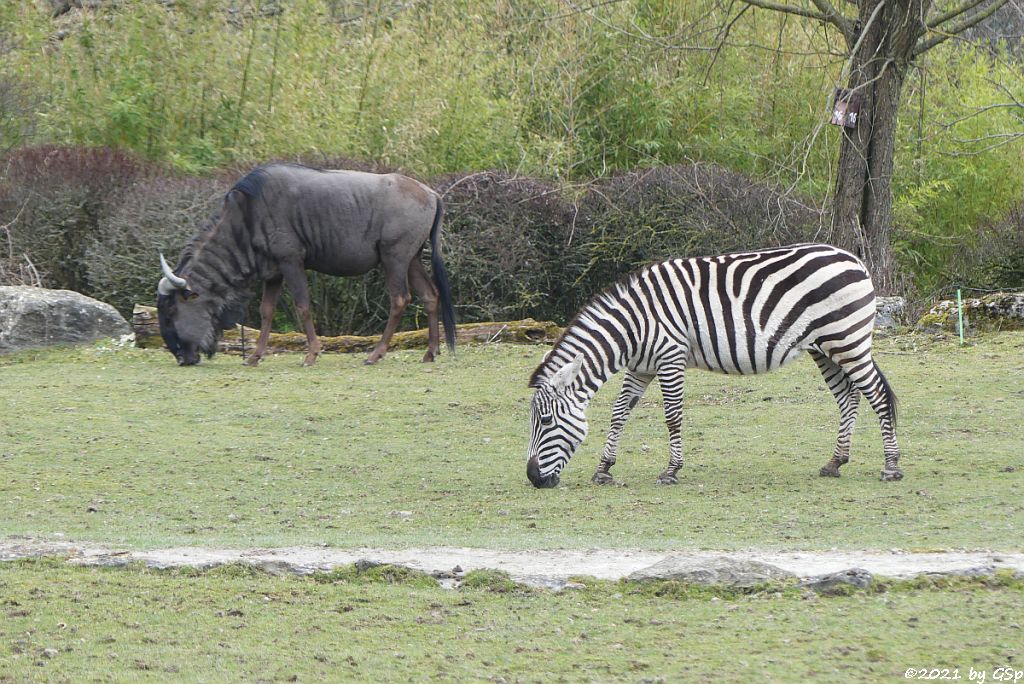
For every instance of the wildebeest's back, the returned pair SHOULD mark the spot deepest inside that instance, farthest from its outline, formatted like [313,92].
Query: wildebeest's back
[336,220]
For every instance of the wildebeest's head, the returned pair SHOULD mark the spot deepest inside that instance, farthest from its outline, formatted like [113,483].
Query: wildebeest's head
[188,319]
[558,425]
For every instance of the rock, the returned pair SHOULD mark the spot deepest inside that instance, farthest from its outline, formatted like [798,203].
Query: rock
[33,317]
[999,311]
[723,571]
[833,582]
[979,571]
[889,312]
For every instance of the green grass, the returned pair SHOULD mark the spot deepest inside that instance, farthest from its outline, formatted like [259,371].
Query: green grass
[124,447]
[233,624]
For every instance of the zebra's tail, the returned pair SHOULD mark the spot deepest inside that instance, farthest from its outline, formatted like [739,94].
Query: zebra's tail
[890,395]
[441,278]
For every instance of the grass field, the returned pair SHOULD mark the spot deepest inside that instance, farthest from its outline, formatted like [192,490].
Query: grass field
[234,624]
[125,447]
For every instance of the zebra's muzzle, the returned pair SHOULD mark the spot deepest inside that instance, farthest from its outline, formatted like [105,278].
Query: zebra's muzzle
[540,481]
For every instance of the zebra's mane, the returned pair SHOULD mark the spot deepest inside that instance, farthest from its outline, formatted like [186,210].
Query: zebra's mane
[605,298]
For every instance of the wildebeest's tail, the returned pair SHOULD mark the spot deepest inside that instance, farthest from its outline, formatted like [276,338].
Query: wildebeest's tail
[441,278]
[889,394]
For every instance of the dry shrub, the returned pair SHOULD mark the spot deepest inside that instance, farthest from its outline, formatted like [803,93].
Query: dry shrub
[995,260]
[53,200]
[684,211]
[514,247]
[507,247]
[156,215]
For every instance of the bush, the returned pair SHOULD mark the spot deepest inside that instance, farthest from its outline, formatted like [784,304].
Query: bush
[684,211]
[94,220]
[53,200]
[158,214]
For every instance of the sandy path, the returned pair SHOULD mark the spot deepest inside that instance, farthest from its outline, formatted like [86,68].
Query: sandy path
[550,568]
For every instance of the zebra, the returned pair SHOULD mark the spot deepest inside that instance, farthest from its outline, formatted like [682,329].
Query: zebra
[739,313]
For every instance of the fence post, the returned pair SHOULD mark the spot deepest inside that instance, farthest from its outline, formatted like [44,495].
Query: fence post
[960,315]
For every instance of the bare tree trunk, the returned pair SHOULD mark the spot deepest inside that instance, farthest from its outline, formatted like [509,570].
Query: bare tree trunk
[862,210]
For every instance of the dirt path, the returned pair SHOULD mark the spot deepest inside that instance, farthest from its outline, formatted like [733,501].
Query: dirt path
[544,568]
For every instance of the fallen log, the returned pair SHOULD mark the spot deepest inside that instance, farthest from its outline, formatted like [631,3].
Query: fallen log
[526,331]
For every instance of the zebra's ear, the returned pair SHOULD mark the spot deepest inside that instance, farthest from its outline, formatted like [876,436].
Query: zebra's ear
[567,373]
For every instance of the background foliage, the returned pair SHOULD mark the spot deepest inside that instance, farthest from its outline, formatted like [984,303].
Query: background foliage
[562,108]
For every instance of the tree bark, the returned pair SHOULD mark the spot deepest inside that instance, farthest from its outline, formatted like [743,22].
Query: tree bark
[862,209]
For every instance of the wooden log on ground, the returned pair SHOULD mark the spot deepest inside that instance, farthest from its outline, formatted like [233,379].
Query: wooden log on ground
[526,331]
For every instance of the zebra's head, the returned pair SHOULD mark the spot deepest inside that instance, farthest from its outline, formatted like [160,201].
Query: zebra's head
[558,425]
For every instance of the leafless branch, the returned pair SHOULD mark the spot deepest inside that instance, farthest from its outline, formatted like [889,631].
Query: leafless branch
[1009,138]
[837,18]
[789,9]
[720,42]
[958,28]
[934,22]
[982,110]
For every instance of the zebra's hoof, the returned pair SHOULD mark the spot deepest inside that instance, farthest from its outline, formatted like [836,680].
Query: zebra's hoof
[892,475]
[829,471]
[666,479]
[601,477]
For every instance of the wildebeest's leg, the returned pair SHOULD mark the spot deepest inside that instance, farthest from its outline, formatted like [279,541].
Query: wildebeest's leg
[271,291]
[427,291]
[396,273]
[633,386]
[848,399]
[866,376]
[670,377]
[298,285]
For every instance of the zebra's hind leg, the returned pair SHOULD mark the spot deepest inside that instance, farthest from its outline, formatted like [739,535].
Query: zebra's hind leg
[848,399]
[670,377]
[633,387]
[867,377]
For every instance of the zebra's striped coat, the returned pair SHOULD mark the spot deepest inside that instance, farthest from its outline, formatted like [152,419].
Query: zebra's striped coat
[747,312]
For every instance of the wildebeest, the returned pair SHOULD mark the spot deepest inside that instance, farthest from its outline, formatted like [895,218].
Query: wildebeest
[281,219]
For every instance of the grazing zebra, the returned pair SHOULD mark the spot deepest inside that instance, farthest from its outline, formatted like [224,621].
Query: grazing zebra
[749,312]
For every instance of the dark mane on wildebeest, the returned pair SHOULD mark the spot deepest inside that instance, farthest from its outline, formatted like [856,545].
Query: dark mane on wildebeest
[281,219]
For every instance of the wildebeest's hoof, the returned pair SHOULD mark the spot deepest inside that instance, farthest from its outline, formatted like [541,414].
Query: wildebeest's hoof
[370,361]
[667,479]
[892,475]
[252,361]
[829,471]
[601,477]
[309,361]
[428,357]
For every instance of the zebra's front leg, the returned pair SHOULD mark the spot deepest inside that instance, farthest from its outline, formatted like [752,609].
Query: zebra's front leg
[670,377]
[633,386]
[847,397]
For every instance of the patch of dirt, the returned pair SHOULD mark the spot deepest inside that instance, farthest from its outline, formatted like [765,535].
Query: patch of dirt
[550,568]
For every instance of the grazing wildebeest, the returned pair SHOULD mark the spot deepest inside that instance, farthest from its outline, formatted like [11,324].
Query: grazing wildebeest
[281,219]
[749,312]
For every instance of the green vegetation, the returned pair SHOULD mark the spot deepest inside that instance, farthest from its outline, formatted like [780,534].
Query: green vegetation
[124,447]
[532,88]
[61,623]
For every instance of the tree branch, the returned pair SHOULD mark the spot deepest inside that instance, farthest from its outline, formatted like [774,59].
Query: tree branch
[959,28]
[788,9]
[832,15]
[953,13]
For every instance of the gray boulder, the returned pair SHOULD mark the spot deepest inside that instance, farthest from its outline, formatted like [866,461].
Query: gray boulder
[889,312]
[33,317]
[834,583]
[721,571]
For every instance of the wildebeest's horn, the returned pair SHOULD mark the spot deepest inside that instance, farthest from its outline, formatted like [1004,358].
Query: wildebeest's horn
[170,281]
